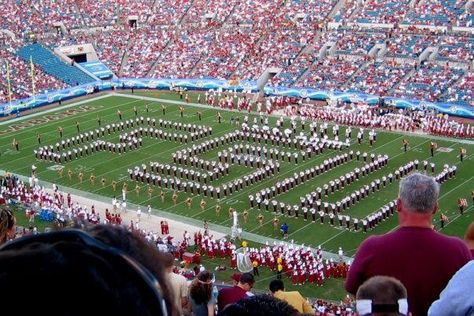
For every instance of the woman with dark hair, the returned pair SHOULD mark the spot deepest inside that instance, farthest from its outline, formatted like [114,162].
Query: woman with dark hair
[201,293]
[7,225]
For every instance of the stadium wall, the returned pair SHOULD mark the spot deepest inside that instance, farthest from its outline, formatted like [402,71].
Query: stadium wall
[212,84]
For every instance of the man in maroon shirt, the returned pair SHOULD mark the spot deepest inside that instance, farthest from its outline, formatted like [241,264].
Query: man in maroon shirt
[233,294]
[421,258]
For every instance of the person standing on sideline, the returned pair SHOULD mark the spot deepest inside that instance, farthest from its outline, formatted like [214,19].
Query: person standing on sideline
[284,230]
[294,298]
[255,268]
[279,268]
[433,257]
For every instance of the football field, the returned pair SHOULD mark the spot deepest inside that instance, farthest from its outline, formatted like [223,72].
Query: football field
[107,166]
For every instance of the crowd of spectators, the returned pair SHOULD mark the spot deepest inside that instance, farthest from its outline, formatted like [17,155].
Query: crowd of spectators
[239,40]
[218,10]
[378,78]
[20,74]
[277,46]
[462,91]
[440,12]
[456,48]
[358,43]
[428,82]
[381,11]
[168,12]
[293,72]
[307,12]
[407,45]
[226,52]
[185,48]
[329,74]
[145,48]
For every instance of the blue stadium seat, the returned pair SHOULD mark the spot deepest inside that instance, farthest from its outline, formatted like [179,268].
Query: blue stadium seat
[54,66]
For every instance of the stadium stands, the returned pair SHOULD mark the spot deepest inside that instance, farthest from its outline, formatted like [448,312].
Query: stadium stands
[239,40]
[428,82]
[20,73]
[52,65]
[381,11]
[378,78]
[330,74]
[440,12]
[462,91]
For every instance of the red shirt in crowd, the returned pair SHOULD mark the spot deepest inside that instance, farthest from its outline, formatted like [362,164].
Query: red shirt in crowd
[230,295]
[421,258]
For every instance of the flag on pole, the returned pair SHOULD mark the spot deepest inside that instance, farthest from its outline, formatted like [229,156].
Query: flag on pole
[9,84]
[32,74]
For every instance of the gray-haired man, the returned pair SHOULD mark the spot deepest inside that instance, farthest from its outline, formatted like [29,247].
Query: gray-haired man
[421,258]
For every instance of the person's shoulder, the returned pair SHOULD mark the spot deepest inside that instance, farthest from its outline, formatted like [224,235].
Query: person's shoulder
[295,294]
[375,240]
[453,241]
[178,277]
[225,290]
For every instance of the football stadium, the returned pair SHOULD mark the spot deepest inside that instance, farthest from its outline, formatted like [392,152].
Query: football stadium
[320,143]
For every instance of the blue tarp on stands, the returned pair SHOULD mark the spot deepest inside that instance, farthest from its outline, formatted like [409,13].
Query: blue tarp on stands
[54,66]
[98,69]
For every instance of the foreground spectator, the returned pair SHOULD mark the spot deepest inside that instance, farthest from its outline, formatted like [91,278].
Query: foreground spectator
[469,238]
[71,263]
[421,258]
[7,225]
[259,305]
[457,298]
[233,294]
[142,251]
[382,295]
[178,283]
[294,298]
[203,301]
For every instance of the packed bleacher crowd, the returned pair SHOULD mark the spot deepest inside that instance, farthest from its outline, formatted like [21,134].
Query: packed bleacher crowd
[20,74]
[240,39]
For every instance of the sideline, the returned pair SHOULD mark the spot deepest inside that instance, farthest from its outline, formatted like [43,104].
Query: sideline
[127,95]
[176,218]
[417,134]
[53,109]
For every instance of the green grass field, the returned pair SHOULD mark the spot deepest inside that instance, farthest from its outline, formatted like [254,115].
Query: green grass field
[114,167]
